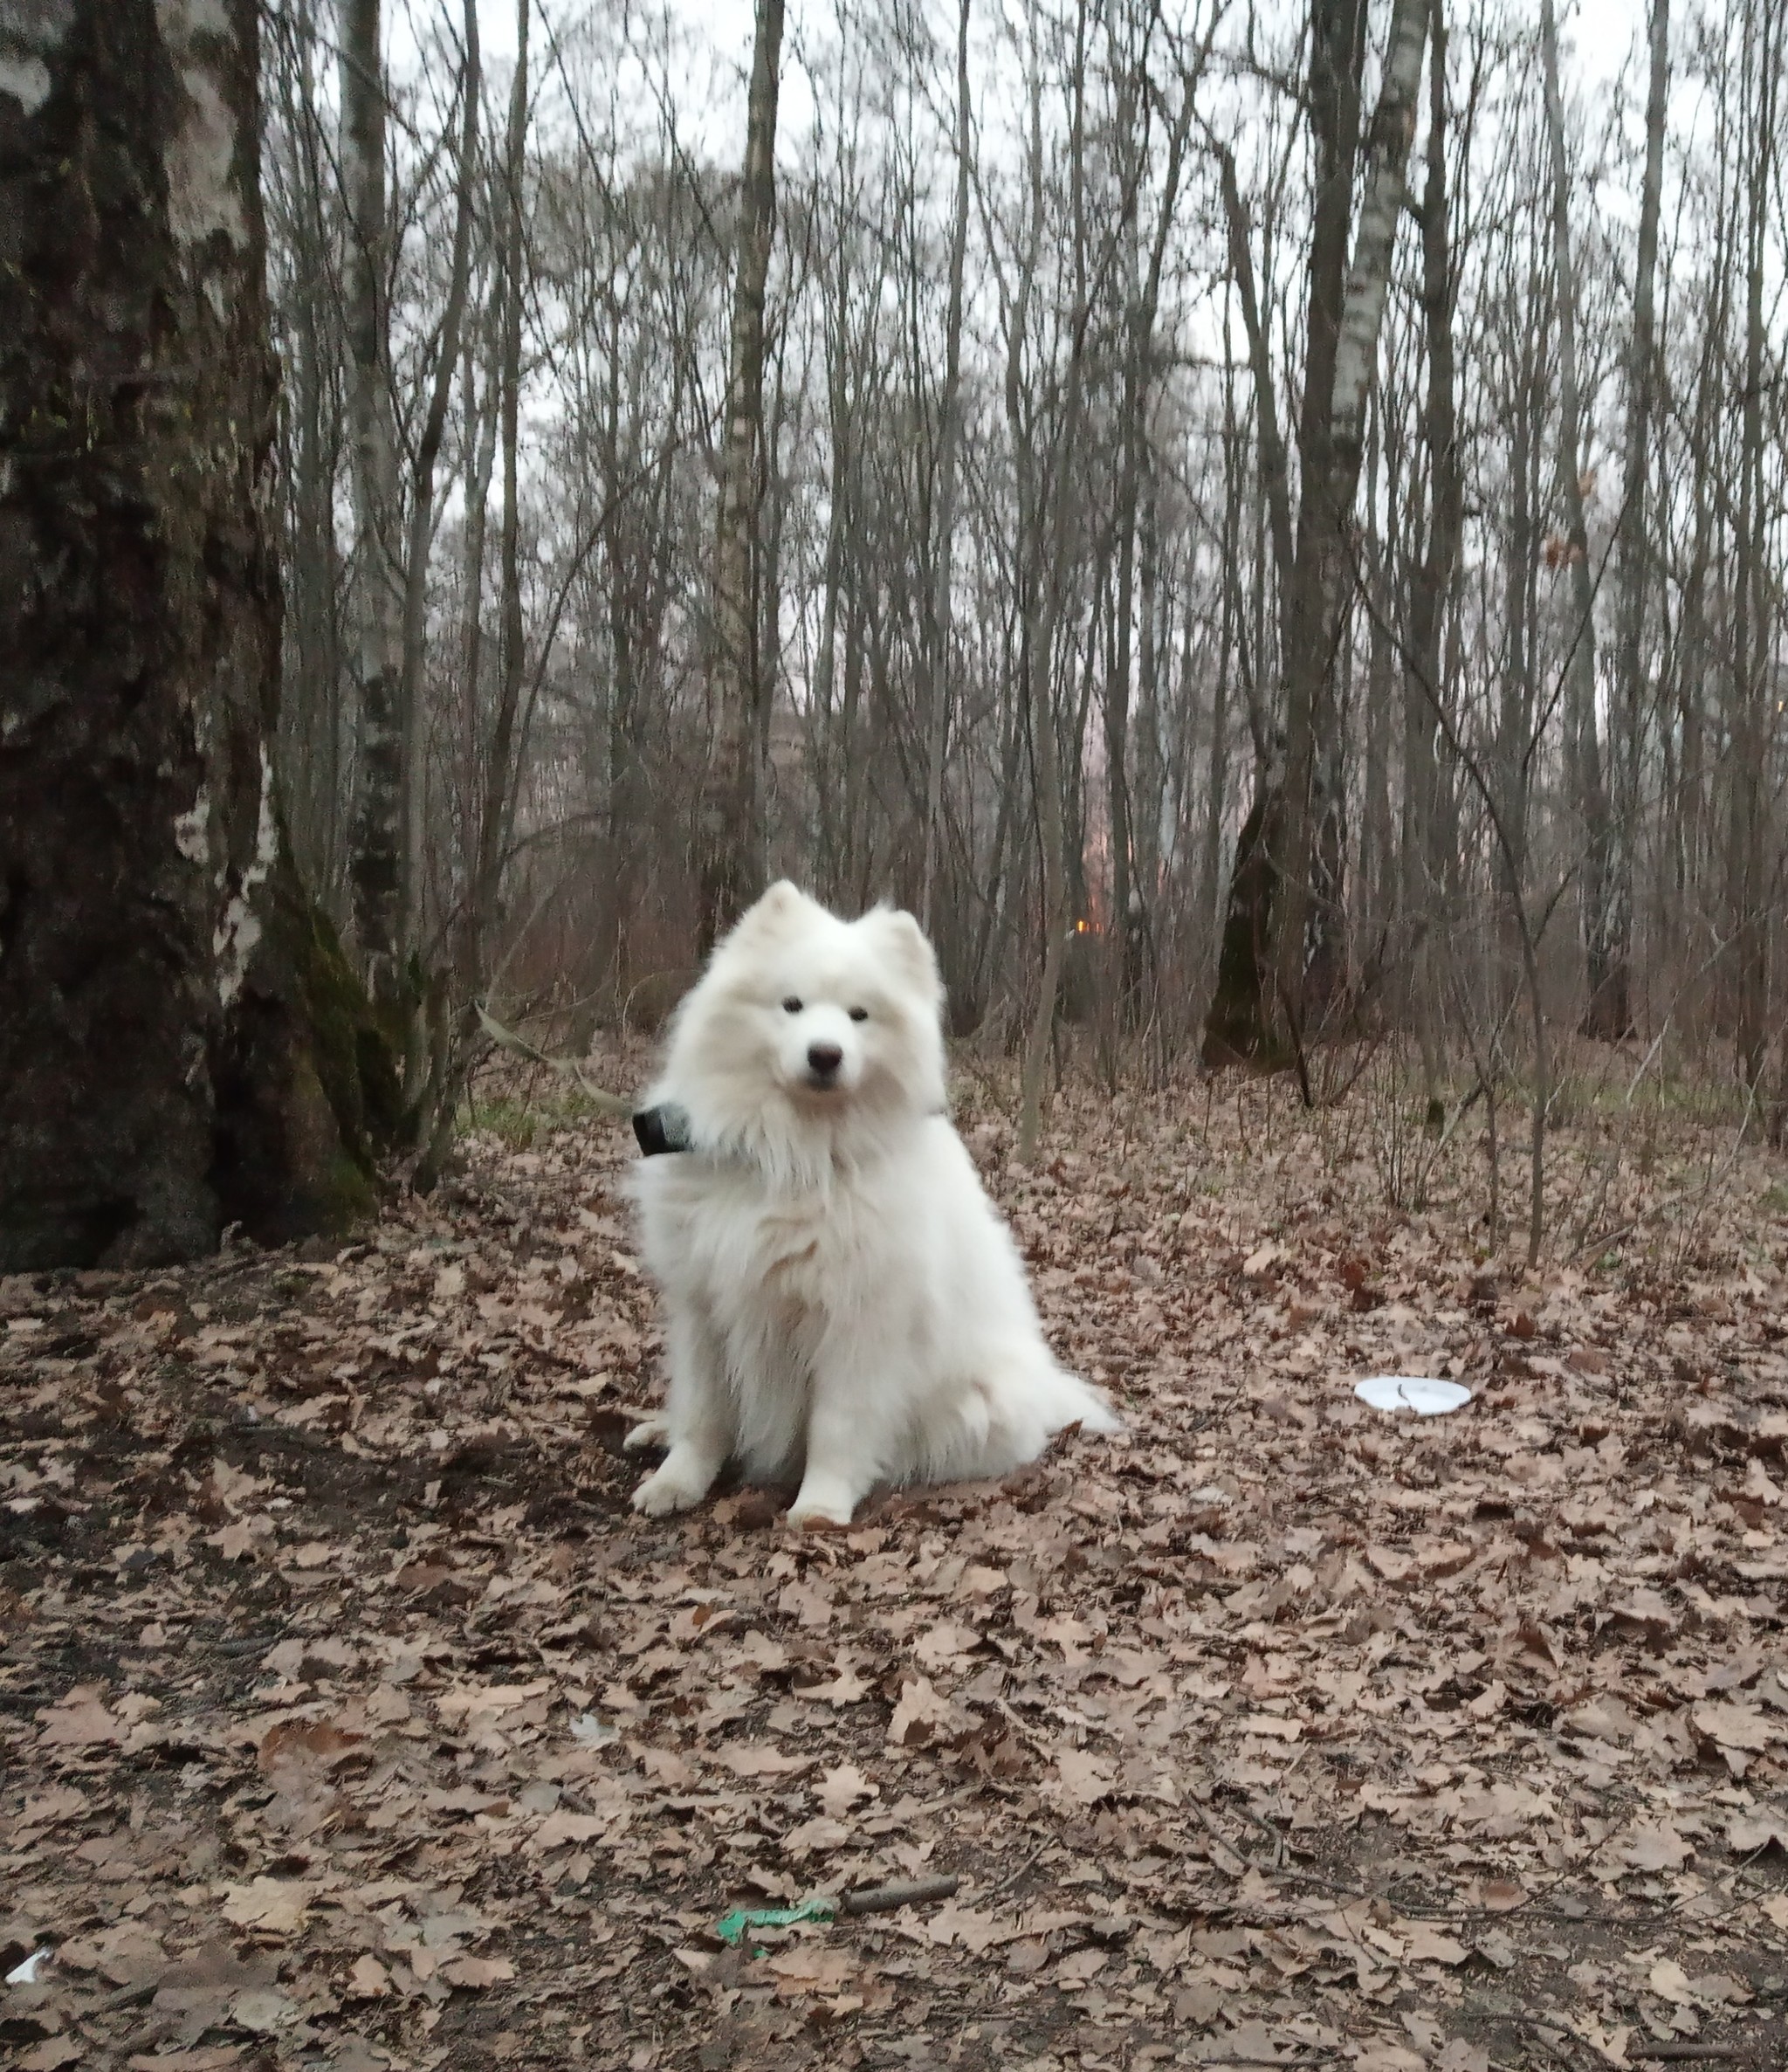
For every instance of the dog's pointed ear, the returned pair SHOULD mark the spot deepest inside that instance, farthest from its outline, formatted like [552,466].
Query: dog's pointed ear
[782,898]
[776,908]
[911,951]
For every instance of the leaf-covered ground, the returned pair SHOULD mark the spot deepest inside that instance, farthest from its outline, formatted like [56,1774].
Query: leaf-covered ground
[350,1718]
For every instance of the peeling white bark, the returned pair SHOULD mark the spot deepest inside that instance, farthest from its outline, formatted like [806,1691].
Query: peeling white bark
[203,195]
[239,929]
[1369,277]
[27,79]
[35,27]
[192,831]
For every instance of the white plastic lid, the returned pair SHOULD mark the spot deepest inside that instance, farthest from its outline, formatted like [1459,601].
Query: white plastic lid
[1412,1391]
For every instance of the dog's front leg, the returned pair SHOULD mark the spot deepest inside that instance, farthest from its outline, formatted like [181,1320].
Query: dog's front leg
[698,1419]
[843,1453]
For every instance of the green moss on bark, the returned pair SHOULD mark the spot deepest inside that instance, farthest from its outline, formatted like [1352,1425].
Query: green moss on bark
[309,1097]
[1241,1027]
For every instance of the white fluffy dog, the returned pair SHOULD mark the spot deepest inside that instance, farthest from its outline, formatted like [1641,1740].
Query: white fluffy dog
[845,1307]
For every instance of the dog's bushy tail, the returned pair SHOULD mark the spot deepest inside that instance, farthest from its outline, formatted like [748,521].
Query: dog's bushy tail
[1009,1417]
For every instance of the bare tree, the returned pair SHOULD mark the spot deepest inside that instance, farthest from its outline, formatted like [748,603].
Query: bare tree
[1754,704]
[1046,514]
[1607,1014]
[1008,574]
[1627,738]
[180,1043]
[411,717]
[492,758]
[728,832]
[1286,960]
[1127,924]
[1425,846]
[376,861]
[949,445]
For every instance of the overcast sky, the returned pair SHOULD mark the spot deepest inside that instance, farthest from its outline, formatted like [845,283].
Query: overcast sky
[1600,35]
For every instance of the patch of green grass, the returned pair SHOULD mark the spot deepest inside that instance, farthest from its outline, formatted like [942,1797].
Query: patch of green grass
[1581,1097]
[521,1121]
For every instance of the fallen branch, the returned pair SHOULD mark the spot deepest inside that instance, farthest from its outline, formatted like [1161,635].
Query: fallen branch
[887,1899]
[1676,2054]
[506,1039]
[733,1928]
[126,1996]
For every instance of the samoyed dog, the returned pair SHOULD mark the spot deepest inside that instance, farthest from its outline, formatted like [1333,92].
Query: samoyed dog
[845,1310]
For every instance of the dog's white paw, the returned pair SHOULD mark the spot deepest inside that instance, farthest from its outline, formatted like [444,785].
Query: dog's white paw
[664,1491]
[821,1510]
[651,1431]
[813,1520]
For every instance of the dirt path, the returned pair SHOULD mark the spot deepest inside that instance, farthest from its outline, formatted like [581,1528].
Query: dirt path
[349,1719]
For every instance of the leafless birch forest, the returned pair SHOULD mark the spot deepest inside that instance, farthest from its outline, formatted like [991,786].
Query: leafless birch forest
[1266,526]
[1267,529]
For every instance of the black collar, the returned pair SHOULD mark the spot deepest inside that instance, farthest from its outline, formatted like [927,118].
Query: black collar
[664,1128]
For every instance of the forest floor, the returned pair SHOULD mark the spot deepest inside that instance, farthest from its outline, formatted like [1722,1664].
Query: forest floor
[349,1717]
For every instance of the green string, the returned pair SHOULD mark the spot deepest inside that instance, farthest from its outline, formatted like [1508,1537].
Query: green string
[734,1927]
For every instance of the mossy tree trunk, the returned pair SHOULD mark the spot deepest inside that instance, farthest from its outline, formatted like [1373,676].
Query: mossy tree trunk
[180,1045]
[1283,964]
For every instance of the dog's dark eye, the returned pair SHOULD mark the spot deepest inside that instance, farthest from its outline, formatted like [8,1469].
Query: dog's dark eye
[791,1006]
[859,1013]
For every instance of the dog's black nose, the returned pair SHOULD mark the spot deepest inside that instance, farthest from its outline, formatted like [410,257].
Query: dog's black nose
[824,1058]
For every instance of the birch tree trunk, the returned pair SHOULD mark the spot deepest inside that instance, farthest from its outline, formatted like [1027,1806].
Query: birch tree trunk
[1378,871]
[422,523]
[491,771]
[1240,1017]
[180,1045]
[1341,350]
[1518,686]
[1607,1014]
[1128,922]
[499,752]
[478,433]
[832,771]
[311,759]
[1229,634]
[728,864]
[1043,559]
[1424,862]
[1753,696]
[949,438]
[375,863]
[1283,962]
[1635,544]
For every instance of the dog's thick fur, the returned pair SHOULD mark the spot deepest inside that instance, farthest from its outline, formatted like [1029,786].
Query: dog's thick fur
[844,1307]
